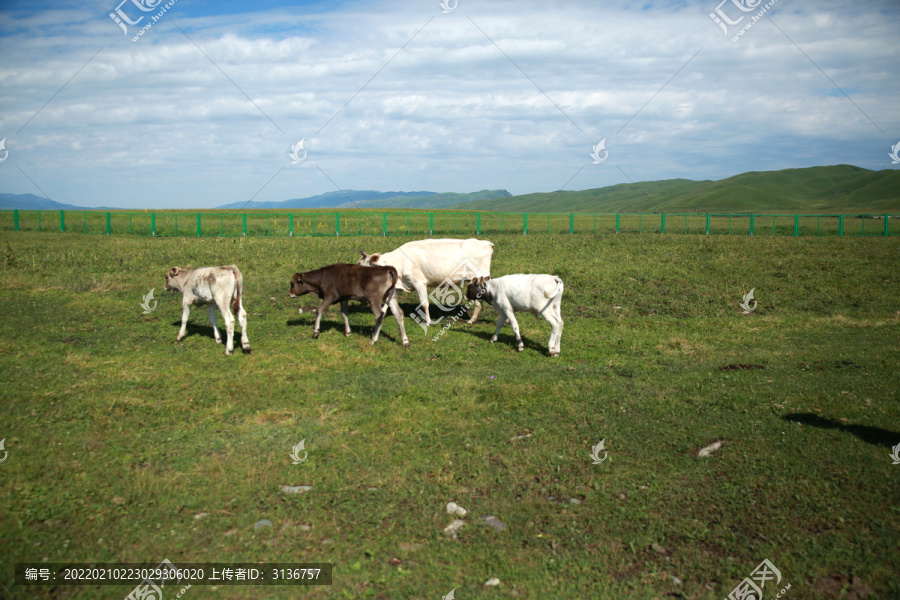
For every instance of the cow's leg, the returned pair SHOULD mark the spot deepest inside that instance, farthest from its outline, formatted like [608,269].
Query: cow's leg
[242,319]
[515,327]
[344,307]
[476,312]
[229,328]
[398,314]
[500,323]
[375,305]
[422,291]
[319,312]
[185,313]
[215,323]
[556,326]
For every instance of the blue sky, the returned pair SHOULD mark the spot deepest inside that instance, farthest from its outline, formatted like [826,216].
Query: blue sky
[205,106]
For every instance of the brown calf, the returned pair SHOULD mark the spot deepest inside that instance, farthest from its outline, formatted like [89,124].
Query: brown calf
[341,282]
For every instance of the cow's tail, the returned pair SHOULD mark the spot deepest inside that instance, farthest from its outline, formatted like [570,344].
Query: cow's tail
[391,290]
[559,288]
[238,289]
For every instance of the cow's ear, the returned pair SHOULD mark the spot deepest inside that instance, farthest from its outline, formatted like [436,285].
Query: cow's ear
[363,253]
[485,279]
[173,271]
[374,258]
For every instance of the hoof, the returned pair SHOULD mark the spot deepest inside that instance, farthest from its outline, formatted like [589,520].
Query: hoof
[346,334]
[218,341]
[520,349]
[246,349]
[229,353]
[406,344]
[493,340]
[315,335]
[554,353]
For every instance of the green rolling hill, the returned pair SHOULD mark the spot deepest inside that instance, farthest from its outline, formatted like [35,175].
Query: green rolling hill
[839,188]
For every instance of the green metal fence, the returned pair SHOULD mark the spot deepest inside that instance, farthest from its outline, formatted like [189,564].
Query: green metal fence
[441,223]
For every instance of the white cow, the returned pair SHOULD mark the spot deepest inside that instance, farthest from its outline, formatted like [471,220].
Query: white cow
[537,294]
[213,287]
[442,263]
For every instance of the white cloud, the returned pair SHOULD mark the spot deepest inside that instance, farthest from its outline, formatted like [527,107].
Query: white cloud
[157,123]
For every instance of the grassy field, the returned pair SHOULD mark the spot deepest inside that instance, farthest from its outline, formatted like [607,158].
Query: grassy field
[124,446]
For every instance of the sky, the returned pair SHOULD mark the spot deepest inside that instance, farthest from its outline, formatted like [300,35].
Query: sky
[221,101]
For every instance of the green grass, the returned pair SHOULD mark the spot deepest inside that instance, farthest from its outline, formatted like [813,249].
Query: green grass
[118,436]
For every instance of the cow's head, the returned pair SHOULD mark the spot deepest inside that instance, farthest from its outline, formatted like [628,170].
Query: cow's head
[369,260]
[173,281]
[299,287]
[477,289]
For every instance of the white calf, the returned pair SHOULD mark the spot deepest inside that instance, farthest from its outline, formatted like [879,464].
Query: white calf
[213,287]
[537,294]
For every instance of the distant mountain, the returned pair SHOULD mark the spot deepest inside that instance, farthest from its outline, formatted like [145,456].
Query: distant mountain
[432,201]
[373,199]
[837,188]
[32,202]
[328,200]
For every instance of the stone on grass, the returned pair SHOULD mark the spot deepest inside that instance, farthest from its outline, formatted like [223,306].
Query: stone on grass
[494,522]
[493,582]
[455,509]
[710,449]
[296,489]
[454,526]
[262,524]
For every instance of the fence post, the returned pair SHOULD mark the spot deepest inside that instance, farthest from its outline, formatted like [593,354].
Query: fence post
[430,223]
[39,221]
[840,225]
[571,222]
[887,230]
[107,223]
[595,223]
[337,224]
[751,223]
[707,223]
[662,223]
[384,224]
[130,223]
[477,223]
[243,227]
[618,221]
[524,223]
[796,225]
[153,224]
[199,231]
[291,226]
[16,219]
[62,222]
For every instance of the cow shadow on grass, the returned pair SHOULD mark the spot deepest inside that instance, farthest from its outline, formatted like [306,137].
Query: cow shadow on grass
[485,331]
[332,320]
[205,330]
[871,435]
